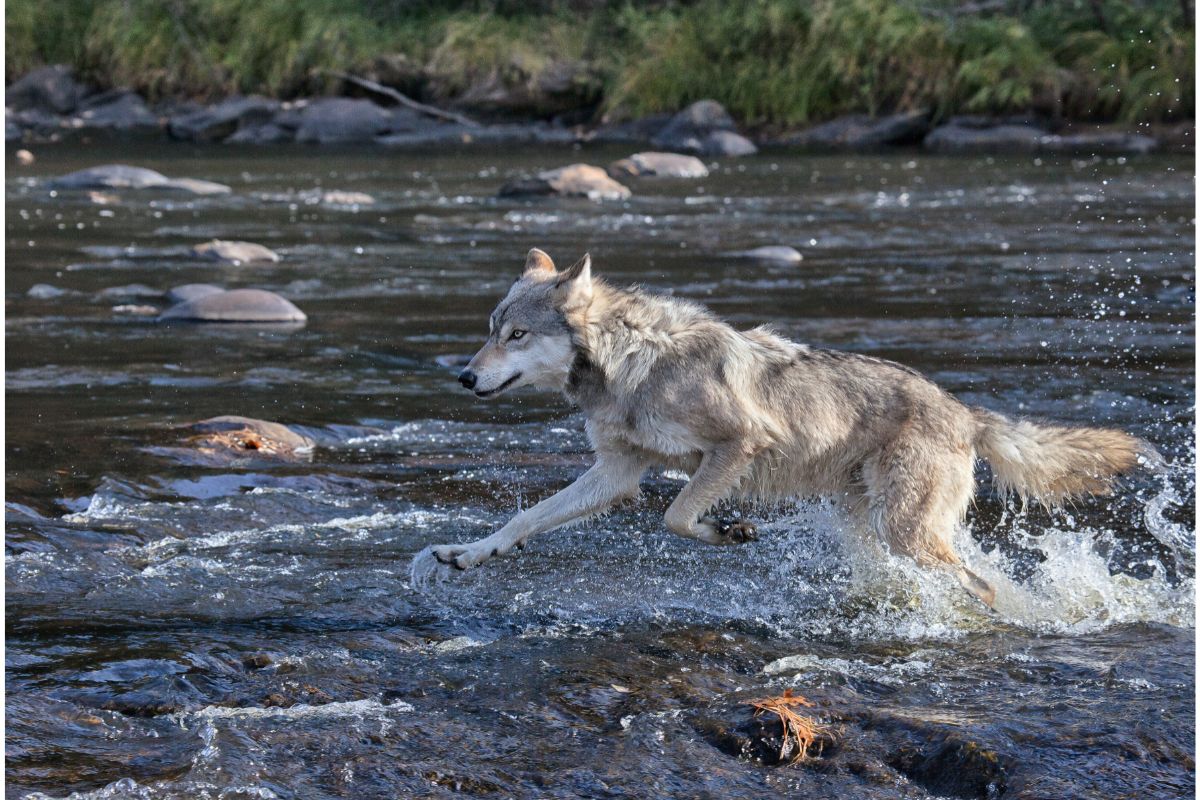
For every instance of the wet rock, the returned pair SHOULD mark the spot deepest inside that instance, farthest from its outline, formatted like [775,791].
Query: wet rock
[123,176]
[667,165]
[948,764]
[1103,143]
[194,186]
[739,732]
[24,158]
[237,305]
[53,90]
[862,132]
[233,436]
[638,130]
[340,119]
[110,176]
[575,180]
[44,291]
[132,291]
[704,128]
[340,198]
[257,661]
[191,291]
[268,133]
[1000,138]
[121,111]
[222,120]
[448,133]
[103,198]
[234,252]
[135,310]
[779,253]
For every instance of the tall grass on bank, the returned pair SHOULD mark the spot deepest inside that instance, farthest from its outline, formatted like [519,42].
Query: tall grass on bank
[780,62]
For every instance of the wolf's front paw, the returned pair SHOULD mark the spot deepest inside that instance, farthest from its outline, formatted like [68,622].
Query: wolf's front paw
[462,556]
[738,531]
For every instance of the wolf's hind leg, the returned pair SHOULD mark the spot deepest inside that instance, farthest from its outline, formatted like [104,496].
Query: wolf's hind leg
[721,469]
[916,500]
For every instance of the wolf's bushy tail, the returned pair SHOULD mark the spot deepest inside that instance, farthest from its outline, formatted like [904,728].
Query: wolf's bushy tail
[1053,463]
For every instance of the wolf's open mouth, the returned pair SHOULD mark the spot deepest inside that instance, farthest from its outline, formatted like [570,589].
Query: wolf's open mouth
[499,388]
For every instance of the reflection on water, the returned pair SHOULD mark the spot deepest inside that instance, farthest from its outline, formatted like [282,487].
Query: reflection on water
[185,627]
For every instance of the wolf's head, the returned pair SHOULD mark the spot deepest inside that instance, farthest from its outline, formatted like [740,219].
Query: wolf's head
[529,338]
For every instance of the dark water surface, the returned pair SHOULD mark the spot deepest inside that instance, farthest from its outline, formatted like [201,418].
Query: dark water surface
[186,629]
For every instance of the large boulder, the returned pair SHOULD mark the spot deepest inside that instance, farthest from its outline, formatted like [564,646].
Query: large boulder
[120,110]
[999,138]
[861,132]
[50,89]
[234,252]
[704,128]
[237,305]
[340,119]
[222,120]
[574,180]
[663,165]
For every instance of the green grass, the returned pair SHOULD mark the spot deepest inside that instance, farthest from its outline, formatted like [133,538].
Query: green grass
[778,62]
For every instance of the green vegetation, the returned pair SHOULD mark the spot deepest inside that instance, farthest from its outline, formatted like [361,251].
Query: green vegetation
[780,62]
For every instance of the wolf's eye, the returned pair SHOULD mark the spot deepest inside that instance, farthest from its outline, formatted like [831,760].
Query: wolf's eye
[518,334]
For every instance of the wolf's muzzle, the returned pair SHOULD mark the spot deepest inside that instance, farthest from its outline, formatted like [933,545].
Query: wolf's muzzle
[467,378]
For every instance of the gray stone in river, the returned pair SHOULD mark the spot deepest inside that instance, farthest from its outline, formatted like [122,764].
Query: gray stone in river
[237,305]
[861,132]
[223,119]
[340,119]
[574,180]
[775,252]
[666,165]
[118,110]
[110,176]
[234,252]
[52,89]
[999,138]
[191,291]
[704,128]
[232,436]
[123,176]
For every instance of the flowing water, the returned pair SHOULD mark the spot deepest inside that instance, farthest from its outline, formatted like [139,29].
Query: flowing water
[183,626]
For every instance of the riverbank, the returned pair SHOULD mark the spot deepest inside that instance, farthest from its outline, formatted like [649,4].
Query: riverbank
[776,66]
[49,104]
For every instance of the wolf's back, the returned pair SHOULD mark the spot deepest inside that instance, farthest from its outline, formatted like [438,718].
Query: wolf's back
[1053,463]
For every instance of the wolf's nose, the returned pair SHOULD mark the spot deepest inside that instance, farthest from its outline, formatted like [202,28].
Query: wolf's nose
[467,378]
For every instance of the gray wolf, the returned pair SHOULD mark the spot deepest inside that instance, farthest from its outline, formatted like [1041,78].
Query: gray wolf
[751,415]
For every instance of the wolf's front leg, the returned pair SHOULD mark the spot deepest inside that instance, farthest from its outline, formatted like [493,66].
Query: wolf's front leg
[611,479]
[721,469]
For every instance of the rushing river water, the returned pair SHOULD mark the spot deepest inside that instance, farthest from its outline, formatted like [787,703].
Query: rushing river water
[180,627]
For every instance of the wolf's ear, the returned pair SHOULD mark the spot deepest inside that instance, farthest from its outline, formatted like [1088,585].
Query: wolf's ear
[574,286]
[538,264]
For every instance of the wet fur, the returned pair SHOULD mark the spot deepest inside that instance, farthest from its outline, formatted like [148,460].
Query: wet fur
[751,415]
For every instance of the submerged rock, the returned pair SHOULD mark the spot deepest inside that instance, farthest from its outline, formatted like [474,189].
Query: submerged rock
[774,252]
[340,198]
[232,436]
[234,252]
[44,291]
[237,305]
[704,128]
[666,165]
[862,132]
[574,180]
[192,291]
[194,186]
